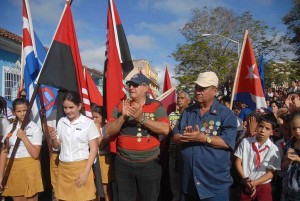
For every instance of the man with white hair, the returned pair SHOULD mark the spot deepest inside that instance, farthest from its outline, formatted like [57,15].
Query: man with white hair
[206,133]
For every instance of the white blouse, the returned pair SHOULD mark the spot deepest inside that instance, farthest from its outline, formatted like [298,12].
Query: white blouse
[34,134]
[75,137]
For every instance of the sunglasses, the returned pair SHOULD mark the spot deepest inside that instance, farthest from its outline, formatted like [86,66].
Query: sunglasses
[135,85]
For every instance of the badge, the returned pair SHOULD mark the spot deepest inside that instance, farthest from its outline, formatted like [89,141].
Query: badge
[218,123]
[139,139]
[205,124]
[214,132]
[211,122]
[139,135]
[211,127]
[207,131]
[202,129]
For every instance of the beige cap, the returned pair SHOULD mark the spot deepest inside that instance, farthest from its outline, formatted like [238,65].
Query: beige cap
[207,79]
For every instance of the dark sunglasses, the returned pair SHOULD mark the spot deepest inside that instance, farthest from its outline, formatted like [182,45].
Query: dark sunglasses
[135,85]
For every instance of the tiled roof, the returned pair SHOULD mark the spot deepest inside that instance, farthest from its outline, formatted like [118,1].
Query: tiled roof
[9,35]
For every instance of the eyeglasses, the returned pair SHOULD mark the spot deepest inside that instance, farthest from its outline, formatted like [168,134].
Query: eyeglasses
[135,85]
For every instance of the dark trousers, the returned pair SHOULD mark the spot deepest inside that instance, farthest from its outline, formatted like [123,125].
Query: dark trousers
[137,178]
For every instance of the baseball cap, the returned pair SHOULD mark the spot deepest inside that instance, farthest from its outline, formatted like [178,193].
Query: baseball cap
[207,79]
[139,79]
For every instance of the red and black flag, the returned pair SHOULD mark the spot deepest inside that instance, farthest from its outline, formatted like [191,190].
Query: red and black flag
[62,68]
[118,63]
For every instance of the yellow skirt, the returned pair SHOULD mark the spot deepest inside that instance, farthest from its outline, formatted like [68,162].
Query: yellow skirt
[53,170]
[104,161]
[66,186]
[24,179]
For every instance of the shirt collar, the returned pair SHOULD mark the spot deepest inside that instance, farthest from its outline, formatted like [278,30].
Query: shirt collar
[81,119]
[213,108]
[268,142]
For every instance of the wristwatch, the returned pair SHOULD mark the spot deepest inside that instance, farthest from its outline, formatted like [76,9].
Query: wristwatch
[143,120]
[208,140]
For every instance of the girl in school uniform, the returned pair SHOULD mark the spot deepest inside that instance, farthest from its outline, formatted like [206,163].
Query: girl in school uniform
[25,180]
[76,136]
[291,162]
[104,157]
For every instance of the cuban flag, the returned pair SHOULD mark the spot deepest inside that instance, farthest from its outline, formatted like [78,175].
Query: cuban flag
[34,54]
[248,88]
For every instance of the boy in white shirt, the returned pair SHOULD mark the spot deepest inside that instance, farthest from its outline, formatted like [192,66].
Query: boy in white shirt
[257,158]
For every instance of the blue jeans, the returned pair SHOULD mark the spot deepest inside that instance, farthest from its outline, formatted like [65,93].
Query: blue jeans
[142,178]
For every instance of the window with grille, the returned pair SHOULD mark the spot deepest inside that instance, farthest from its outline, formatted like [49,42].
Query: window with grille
[11,81]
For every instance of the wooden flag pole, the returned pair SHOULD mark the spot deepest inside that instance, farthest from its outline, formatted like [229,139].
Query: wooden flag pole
[18,140]
[44,121]
[238,70]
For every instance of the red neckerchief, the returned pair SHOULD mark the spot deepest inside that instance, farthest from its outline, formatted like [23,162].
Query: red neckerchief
[257,153]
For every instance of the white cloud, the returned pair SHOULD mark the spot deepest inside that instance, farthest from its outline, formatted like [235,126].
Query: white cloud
[164,29]
[46,11]
[92,56]
[178,7]
[141,42]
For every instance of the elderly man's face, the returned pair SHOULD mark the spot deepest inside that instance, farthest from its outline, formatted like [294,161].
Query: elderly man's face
[205,94]
[137,91]
[182,100]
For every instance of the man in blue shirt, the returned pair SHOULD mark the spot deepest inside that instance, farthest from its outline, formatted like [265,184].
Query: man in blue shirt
[206,132]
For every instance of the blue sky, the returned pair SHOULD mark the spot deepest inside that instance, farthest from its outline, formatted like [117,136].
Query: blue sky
[151,26]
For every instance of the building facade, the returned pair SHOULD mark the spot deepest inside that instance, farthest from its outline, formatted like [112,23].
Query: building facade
[10,64]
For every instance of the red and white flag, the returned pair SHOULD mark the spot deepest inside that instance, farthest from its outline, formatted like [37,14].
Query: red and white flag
[247,87]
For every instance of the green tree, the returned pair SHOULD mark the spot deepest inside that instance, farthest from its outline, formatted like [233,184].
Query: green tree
[217,53]
[293,23]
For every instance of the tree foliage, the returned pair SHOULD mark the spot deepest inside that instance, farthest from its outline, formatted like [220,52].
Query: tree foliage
[292,20]
[215,52]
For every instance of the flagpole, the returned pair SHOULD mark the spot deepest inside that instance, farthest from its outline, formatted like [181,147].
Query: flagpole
[44,121]
[18,140]
[238,70]
[22,70]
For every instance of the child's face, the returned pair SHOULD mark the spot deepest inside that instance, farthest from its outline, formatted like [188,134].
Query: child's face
[20,111]
[264,131]
[295,127]
[97,118]
[71,110]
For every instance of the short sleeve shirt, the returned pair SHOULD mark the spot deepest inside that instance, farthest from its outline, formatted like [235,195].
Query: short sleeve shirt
[208,168]
[269,158]
[136,142]
[34,134]
[75,138]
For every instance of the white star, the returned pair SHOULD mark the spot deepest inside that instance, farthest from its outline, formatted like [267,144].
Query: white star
[251,74]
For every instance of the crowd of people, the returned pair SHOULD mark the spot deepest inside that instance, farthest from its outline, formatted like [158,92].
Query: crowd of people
[215,151]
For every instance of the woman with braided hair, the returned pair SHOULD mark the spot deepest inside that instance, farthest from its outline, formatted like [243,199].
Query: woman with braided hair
[25,179]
